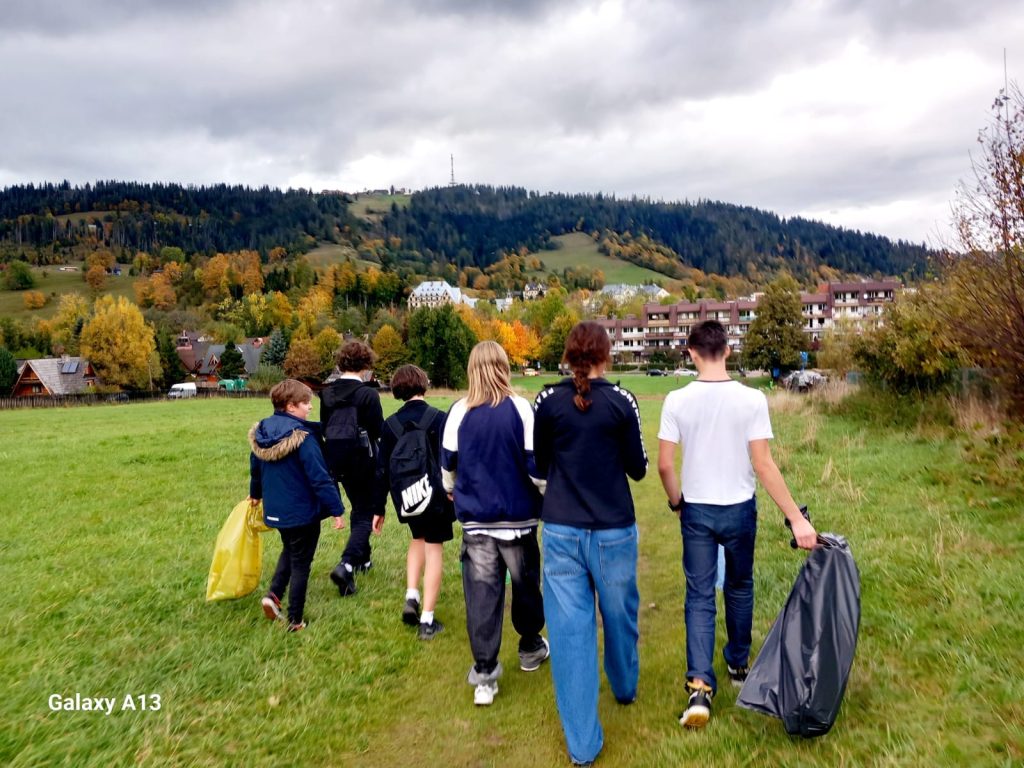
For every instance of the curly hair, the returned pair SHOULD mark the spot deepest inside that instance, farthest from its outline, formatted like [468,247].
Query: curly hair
[354,356]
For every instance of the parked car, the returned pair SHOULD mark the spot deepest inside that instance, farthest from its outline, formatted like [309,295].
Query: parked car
[179,391]
[530,372]
[684,372]
[802,381]
[655,372]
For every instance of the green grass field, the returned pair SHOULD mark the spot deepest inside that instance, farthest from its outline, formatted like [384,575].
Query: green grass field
[578,249]
[54,285]
[326,254]
[110,516]
[372,207]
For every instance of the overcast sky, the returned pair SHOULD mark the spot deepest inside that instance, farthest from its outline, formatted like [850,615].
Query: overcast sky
[857,113]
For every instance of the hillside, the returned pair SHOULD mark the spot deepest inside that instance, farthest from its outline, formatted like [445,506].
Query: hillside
[578,249]
[476,225]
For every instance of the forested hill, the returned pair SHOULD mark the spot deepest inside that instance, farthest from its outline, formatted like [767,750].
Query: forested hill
[145,217]
[474,224]
[469,226]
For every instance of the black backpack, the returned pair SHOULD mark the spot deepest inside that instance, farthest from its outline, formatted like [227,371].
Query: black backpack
[414,477]
[346,444]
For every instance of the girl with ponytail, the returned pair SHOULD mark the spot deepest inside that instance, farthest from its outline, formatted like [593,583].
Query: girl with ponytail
[587,442]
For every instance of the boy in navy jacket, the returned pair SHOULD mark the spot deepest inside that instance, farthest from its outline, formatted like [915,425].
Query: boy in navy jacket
[288,473]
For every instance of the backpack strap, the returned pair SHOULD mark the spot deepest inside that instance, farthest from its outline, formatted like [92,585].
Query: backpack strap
[392,422]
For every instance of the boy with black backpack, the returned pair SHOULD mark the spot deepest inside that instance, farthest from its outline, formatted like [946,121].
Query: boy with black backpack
[351,419]
[409,468]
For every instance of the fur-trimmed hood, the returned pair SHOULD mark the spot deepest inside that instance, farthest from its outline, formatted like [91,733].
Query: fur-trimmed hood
[279,435]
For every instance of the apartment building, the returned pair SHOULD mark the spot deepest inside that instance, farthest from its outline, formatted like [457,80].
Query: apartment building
[662,328]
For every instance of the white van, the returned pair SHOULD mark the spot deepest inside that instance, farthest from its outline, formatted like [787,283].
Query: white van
[178,391]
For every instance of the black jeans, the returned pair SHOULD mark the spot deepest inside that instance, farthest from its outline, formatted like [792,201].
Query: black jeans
[484,561]
[293,566]
[359,487]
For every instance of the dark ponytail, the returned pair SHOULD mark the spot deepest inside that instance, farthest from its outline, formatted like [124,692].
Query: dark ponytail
[586,348]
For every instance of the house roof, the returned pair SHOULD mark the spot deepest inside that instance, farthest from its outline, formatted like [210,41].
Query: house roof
[210,359]
[62,375]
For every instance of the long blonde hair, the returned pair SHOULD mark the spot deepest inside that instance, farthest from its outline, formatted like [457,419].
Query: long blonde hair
[489,375]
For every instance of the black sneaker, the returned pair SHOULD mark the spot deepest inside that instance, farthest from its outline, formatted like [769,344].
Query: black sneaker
[738,675]
[411,612]
[427,631]
[363,567]
[344,579]
[698,709]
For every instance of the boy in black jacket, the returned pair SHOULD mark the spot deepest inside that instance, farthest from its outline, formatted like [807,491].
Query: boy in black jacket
[352,419]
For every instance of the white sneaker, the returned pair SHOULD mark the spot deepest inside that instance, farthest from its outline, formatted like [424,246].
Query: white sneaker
[484,694]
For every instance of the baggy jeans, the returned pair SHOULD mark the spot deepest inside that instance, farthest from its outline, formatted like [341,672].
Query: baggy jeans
[704,527]
[578,561]
[484,561]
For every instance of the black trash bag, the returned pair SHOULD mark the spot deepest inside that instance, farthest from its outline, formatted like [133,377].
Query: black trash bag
[801,672]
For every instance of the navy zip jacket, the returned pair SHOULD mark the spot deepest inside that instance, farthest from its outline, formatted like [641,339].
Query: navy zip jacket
[487,463]
[287,470]
[586,456]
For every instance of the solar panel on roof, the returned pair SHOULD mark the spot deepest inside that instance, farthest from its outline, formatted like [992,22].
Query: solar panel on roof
[70,366]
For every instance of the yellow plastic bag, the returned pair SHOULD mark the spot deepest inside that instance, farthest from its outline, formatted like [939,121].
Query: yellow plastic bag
[238,555]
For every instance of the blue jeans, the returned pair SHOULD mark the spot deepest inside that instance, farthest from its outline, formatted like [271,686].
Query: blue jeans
[578,561]
[704,528]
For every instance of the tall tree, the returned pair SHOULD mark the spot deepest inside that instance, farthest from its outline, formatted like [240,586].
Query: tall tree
[440,343]
[8,371]
[277,349]
[119,343]
[776,336]
[232,364]
[391,352]
[987,310]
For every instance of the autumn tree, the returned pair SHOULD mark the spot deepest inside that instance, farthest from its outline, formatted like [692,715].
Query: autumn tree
[34,299]
[96,277]
[837,347]
[987,276]
[775,337]
[913,350]
[327,343]
[119,343]
[552,346]
[391,352]
[302,360]
[66,325]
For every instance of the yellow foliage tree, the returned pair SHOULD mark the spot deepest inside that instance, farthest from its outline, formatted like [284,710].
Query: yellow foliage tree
[34,299]
[279,310]
[391,352]
[302,360]
[96,277]
[119,343]
[72,312]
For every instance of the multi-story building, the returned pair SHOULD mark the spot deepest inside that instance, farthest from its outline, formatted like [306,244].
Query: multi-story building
[437,293]
[662,328]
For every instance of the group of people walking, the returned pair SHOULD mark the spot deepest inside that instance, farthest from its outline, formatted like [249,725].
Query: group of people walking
[501,465]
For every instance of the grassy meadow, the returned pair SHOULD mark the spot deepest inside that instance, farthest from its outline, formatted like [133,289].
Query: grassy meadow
[578,249]
[110,515]
[54,284]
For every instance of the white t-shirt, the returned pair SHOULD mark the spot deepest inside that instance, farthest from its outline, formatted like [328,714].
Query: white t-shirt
[714,423]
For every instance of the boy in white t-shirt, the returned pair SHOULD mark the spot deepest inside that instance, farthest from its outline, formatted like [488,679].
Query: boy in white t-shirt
[724,429]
